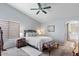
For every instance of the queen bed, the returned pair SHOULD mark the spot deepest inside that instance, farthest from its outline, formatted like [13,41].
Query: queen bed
[32,40]
[36,41]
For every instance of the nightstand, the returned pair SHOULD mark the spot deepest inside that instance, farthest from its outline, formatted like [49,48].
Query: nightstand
[21,42]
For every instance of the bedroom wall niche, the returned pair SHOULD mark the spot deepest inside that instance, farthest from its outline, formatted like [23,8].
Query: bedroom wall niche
[10,29]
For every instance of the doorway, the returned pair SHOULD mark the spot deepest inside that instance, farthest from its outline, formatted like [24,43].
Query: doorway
[73,30]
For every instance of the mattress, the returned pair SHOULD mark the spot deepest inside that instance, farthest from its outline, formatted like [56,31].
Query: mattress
[38,41]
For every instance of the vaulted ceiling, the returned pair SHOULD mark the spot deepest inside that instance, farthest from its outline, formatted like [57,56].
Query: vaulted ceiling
[57,10]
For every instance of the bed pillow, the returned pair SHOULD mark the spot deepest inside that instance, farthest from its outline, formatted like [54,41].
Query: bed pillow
[31,34]
[10,43]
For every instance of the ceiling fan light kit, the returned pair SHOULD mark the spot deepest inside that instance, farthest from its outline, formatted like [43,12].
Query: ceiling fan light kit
[40,9]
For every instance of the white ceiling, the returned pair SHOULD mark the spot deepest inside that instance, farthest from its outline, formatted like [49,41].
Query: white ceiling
[57,10]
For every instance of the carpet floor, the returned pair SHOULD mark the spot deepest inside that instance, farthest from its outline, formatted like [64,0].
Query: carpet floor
[61,51]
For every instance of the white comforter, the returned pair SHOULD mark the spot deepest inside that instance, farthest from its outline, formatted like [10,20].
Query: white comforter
[38,41]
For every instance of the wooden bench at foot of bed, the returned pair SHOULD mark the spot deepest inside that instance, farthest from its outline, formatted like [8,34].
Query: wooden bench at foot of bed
[48,47]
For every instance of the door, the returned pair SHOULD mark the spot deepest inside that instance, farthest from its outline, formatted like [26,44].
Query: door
[73,34]
[73,31]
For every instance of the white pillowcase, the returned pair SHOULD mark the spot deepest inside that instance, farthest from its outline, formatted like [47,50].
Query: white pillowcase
[31,34]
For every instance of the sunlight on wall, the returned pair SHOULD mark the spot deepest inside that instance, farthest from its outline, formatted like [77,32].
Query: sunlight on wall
[21,35]
[73,26]
[41,31]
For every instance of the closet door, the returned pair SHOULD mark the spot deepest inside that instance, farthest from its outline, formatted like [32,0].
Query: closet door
[4,25]
[14,30]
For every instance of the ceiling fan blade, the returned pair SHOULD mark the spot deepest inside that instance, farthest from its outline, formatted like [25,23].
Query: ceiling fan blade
[39,5]
[38,12]
[33,9]
[44,11]
[47,7]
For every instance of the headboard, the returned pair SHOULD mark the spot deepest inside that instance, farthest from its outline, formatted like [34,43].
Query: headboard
[29,31]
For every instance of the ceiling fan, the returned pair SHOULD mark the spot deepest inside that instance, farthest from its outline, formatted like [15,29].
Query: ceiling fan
[40,8]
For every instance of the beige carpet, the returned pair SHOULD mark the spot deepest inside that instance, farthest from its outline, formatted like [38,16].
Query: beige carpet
[61,51]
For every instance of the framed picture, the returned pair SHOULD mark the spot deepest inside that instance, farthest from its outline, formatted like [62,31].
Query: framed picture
[51,28]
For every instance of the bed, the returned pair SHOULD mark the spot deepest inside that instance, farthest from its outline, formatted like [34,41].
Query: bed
[35,40]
